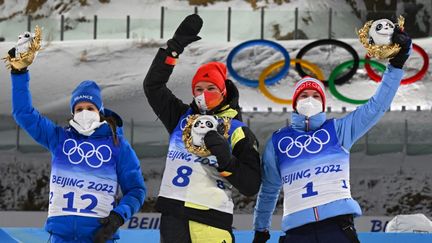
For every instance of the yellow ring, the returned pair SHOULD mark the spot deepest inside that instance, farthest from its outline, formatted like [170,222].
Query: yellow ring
[262,87]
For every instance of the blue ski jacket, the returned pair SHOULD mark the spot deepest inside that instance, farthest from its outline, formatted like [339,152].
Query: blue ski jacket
[348,130]
[74,159]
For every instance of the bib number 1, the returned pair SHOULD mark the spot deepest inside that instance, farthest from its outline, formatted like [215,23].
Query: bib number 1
[309,190]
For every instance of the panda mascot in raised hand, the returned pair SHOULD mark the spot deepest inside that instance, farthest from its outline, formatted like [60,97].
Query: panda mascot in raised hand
[381,31]
[24,41]
[25,51]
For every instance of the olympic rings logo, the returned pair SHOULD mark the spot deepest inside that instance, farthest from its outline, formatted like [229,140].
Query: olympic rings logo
[183,122]
[93,156]
[337,77]
[311,144]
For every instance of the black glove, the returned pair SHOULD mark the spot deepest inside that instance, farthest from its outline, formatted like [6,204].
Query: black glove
[186,33]
[109,226]
[404,41]
[261,237]
[220,128]
[219,147]
[11,53]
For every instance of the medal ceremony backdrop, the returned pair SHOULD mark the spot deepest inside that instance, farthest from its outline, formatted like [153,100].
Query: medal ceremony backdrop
[113,43]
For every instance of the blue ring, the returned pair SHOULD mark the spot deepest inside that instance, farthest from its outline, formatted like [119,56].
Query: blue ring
[254,83]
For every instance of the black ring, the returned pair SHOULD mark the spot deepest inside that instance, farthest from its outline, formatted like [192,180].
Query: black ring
[340,80]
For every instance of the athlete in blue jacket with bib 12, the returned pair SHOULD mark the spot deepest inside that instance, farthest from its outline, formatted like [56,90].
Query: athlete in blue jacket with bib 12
[309,159]
[90,160]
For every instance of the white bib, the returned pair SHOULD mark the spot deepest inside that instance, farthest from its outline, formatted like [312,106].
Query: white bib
[89,197]
[314,167]
[193,179]
[83,178]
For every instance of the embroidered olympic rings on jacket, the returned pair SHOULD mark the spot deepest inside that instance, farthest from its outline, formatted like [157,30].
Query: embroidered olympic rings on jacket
[94,157]
[311,144]
[337,76]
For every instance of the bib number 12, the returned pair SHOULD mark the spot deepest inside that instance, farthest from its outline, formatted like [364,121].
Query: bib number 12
[70,203]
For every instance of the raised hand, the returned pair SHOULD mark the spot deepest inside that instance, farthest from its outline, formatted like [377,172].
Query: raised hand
[23,54]
[186,33]
[402,38]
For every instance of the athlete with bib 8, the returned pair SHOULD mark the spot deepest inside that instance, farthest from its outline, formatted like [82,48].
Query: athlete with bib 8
[195,195]
[90,161]
[310,160]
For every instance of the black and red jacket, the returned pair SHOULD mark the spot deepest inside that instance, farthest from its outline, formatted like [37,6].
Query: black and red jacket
[246,172]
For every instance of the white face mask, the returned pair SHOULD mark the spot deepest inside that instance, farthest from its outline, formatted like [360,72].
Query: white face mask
[85,122]
[309,106]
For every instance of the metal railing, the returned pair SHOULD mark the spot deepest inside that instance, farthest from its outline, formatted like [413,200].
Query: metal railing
[231,25]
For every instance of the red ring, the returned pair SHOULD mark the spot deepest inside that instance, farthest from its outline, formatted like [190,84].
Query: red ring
[377,78]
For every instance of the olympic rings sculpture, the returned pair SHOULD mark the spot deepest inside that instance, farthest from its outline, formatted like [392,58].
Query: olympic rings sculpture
[340,68]
[262,87]
[335,78]
[344,78]
[375,77]
[254,83]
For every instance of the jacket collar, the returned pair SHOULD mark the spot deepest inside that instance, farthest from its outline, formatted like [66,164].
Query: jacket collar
[298,121]
[103,131]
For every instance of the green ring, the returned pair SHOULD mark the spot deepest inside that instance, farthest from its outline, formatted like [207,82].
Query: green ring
[339,69]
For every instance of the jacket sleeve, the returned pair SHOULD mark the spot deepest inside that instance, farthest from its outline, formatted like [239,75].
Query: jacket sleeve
[244,167]
[167,106]
[269,191]
[351,127]
[40,128]
[131,182]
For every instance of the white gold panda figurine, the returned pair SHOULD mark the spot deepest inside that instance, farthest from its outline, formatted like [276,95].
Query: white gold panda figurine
[200,127]
[24,41]
[381,31]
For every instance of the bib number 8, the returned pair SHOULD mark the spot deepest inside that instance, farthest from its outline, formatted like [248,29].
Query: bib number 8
[182,177]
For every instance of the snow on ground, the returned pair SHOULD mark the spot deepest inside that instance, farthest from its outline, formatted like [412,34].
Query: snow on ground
[120,66]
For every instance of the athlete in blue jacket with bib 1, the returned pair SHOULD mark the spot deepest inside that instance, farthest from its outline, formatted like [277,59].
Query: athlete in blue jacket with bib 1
[310,160]
[90,160]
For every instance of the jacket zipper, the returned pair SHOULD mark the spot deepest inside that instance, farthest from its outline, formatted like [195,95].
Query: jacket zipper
[315,209]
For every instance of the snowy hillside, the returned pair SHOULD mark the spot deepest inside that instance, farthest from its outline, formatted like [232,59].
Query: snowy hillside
[120,67]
